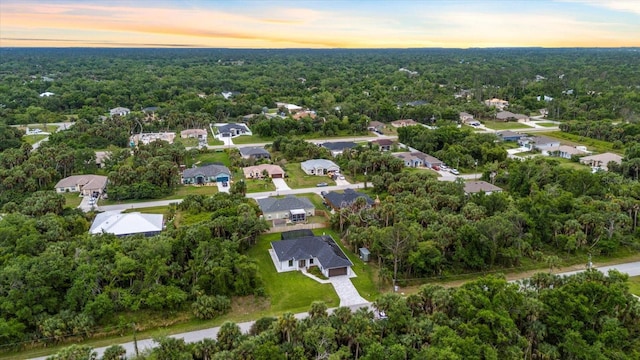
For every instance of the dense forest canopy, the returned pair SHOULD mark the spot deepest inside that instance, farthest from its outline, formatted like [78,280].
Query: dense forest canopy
[589,84]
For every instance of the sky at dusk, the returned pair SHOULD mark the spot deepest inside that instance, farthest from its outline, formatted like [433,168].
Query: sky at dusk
[319,24]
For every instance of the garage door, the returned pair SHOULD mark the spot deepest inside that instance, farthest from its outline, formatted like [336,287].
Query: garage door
[222,178]
[338,271]
[276,176]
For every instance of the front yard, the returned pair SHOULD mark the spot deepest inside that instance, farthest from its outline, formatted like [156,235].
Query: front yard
[258,185]
[32,139]
[298,179]
[501,125]
[250,139]
[221,157]
[72,199]
[634,285]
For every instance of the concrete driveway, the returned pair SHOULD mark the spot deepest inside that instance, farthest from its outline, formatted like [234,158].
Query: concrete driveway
[342,182]
[223,188]
[347,293]
[281,184]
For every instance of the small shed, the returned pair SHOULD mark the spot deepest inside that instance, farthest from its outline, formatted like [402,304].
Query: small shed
[364,254]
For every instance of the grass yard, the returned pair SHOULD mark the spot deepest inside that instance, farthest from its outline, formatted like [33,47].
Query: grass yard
[184,190]
[72,200]
[45,128]
[213,141]
[150,210]
[634,285]
[298,179]
[575,140]
[257,185]
[250,139]
[188,142]
[214,157]
[510,145]
[288,291]
[316,200]
[571,165]
[32,139]
[501,125]
[546,124]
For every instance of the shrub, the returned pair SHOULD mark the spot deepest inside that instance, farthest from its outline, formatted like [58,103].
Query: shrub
[208,307]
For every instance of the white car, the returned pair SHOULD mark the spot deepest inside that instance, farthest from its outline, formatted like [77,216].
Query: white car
[454,171]
[341,177]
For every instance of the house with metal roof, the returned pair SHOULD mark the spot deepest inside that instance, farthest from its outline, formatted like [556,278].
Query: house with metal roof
[206,174]
[123,224]
[254,152]
[290,207]
[309,251]
[319,167]
[340,200]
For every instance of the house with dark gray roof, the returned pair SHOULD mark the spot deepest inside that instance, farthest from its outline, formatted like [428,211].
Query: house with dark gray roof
[338,147]
[538,143]
[309,251]
[232,129]
[290,207]
[345,199]
[254,152]
[206,174]
[508,135]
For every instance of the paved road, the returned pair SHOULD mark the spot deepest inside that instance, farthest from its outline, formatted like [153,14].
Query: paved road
[633,269]
[195,336]
[315,141]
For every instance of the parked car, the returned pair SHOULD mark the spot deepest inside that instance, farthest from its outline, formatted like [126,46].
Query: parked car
[341,177]
[454,171]
[436,167]
[323,193]
[322,184]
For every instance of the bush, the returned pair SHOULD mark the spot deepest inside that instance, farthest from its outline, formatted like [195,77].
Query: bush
[208,307]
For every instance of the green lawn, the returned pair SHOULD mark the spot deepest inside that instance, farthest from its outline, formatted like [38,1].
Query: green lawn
[570,164]
[46,128]
[288,291]
[316,200]
[180,192]
[72,200]
[188,142]
[214,157]
[150,210]
[546,124]
[634,285]
[32,139]
[257,185]
[213,141]
[574,140]
[250,139]
[501,125]
[298,179]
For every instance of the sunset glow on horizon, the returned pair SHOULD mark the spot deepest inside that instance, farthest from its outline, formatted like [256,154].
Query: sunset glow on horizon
[320,24]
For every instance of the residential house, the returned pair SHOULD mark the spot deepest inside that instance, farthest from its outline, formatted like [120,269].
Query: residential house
[337,200]
[410,159]
[309,251]
[123,224]
[509,116]
[375,126]
[463,94]
[319,167]
[120,111]
[206,174]
[404,122]
[565,151]
[291,107]
[303,114]
[87,185]
[508,135]
[254,152]
[497,103]
[256,172]
[538,142]
[232,129]
[601,160]
[338,147]
[383,144]
[200,134]
[474,187]
[428,160]
[290,207]
[466,118]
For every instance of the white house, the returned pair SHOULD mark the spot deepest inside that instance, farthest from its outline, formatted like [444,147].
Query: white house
[319,167]
[123,224]
[120,111]
[309,251]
